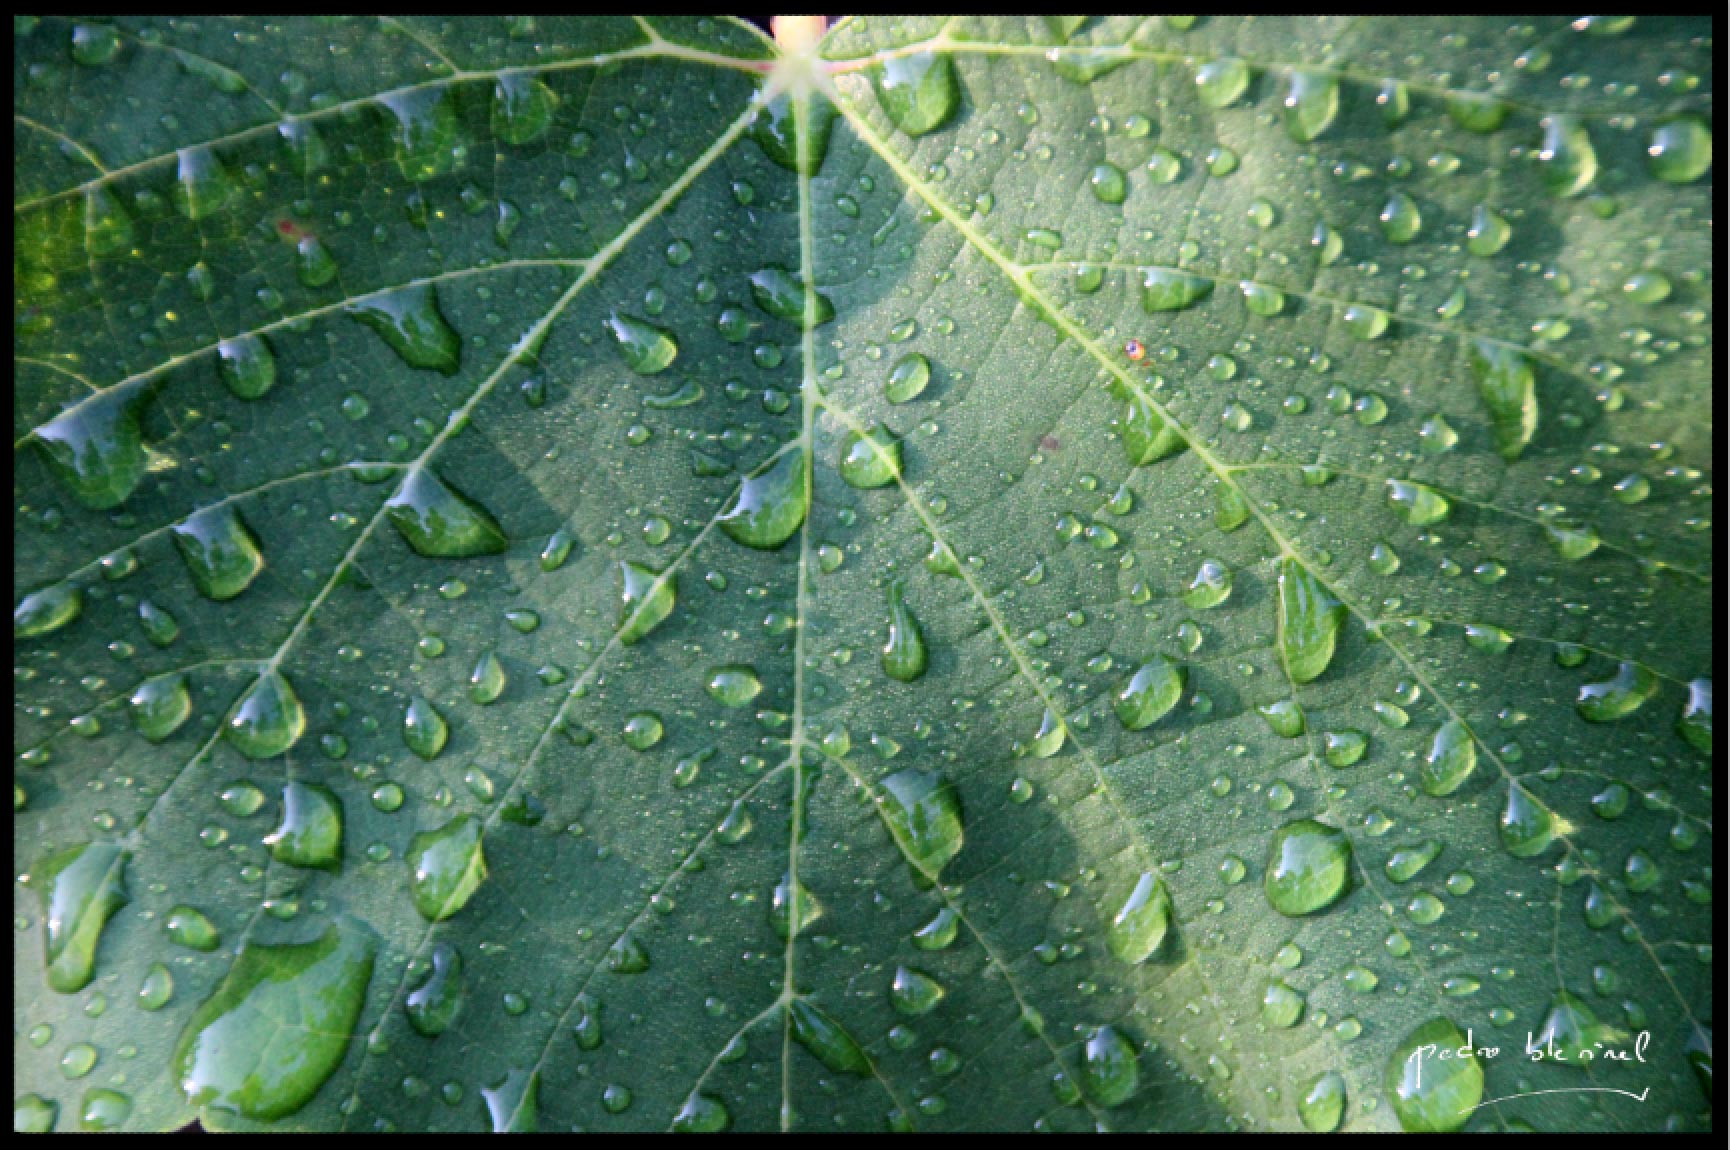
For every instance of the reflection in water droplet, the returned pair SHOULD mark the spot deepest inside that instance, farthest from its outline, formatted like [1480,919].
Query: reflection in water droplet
[97,448]
[80,888]
[918,91]
[923,811]
[446,866]
[310,833]
[269,719]
[770,505]
[1308,867]
[409,321]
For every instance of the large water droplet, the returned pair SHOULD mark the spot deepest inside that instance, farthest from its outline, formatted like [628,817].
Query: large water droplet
[269,719]
[776,131]
[523,106]
[914,992]
[190,927]
[1507,386]
[782,294]
[1617,697]
[701,1114]
[247,365]
[1150,693]
[646,348]
[1322,1105]
[1452,758]
[425,130]
[826,1039]
[434,1002]
[1695,725]
[646,598]
[514,1104]
[310,833]
[1309,622]
[1147,438]
[1167,289]
[409,321]
[97,448]
[1312,101]
[1681,150]
[80,888]
[439,521]
[202,185]
[770,505]
[277,1026]
[918,91]
[1417,505]
[923,811]
[1109,1067]
[1567,159]
[160,705]
[1527,825]
[1219,83]
[47,610]
[1308,867]
[1140,924]
[220,551]
[446,866]
[1432,1086]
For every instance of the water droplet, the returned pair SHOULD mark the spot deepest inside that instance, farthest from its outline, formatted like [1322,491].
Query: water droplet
[310,833]
[1695,725]
[646,598]
[446,866]
[436,999]
[733,686]
[97,448]
[1308,867]
[1478,112]
[1418,505]
[246,365]
[1048,740]
[103,1110]
[913,992]
[1506,384]
[425,131]
[1164,166]
[923,812]
[1139,926]
[523,106]
[1167,289]
[1312,101]
[1406,862]
[1433,1087]
[1285,718]
[701,1114]
[776,131]
[770,505]
[782,294]
[918,91]
[825,1038]
[307,151]
[940,932]
[1150,693]
[1323,1103]
[157,988]
[1310,619]
[1220,82]
[1452,757]
[1681,150]
[1109,1070]
[908,378]
[1617,697]
[94,45]
[1281,1006]
[202,186]
[80,888]
[439,521]
[1109,184]
[107,226]
[1401,219]
[269,719]
[487,680]
[45,611]
[1210,587]
[190,927]
[1567,159]
[1489,231]
[313,262]
[871,458]
[1147,438]
[409,321]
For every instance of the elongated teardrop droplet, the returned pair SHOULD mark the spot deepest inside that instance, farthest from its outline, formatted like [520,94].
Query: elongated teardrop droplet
[409,321]
[1508,388]
[1167,289]
[523,106]
[1150,693]
[771,505]
[646,348]
[246,365]
[918,92]
[1109,1067]
[160,706]
[434,1003]
[923,810]
[776,132]
[646,598]
[446,866]
[1147,438]
[80,888]
[269,719]
[1309,622]
[487,680]
[782,294]
[1567,159]
[1432,1093]
[1140,924]
[310,833]
[1312,101]
[221,553]
[97,448]
[278,1024]
[826,1039]
[45,611]
[904,656]
[1452,758]
[440,522]
[1619,696]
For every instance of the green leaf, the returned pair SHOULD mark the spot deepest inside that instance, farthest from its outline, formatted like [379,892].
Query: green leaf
[991,573]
